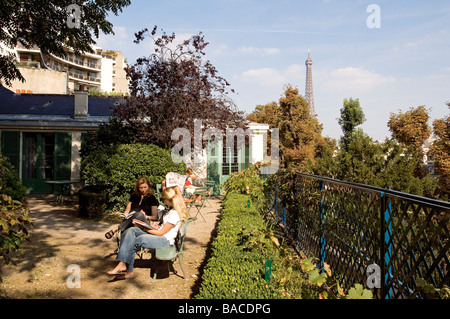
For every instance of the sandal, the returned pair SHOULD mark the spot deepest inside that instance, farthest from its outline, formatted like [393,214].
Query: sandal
[109,234]
[117,272]
[125,275]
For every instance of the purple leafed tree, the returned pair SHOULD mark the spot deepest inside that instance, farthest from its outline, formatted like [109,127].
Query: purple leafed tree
[172,87]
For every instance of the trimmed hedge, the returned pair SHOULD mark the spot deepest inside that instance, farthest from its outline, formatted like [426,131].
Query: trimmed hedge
[246,239]
[236,267]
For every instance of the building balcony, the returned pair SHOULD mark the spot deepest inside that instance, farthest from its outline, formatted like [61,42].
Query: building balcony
[29,64]
[84,78]
[79,64]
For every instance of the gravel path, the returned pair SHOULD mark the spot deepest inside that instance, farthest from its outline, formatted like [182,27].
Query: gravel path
[61,244]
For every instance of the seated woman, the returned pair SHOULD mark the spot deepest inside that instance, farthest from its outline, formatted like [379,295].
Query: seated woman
[142,204]
[179,191]
[189,186]
[159,237]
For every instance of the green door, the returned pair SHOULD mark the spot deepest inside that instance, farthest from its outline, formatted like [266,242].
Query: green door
[63,155]
[46,156]
[214,167]
[11,147]
[231,162]
[220,167]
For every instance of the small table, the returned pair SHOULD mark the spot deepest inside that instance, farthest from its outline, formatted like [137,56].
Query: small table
[64,186]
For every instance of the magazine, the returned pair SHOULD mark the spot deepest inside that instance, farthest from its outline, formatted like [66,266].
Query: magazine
[129,215]
[174,179]
[142,224]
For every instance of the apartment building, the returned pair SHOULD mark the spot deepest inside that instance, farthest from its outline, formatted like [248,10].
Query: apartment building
[101,71]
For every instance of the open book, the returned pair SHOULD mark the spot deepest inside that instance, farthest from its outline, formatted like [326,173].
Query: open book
[142,224]
[174,179]
[129,215]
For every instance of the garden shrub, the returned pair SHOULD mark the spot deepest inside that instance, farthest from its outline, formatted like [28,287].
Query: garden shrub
[113,170]
[14,214]
[14,223]
[236,267]
[245,240]
[10,183]
[247,181]
[91,204]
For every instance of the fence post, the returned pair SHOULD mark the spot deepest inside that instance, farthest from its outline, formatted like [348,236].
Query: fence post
[322,221]
[386,245]
[276,202]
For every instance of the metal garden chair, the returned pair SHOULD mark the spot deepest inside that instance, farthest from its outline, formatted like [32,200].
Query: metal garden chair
[204,196]
[168,255]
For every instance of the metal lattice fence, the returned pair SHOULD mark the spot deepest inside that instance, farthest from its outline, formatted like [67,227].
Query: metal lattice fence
[361,230]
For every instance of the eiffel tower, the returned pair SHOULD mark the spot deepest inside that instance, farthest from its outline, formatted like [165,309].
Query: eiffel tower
[309,93]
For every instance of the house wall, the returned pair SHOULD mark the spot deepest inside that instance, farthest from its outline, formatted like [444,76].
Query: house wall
[107,78]
[41,81]
[74,160]
[121,83]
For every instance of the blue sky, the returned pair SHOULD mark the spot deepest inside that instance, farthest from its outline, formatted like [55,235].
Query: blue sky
[259,46]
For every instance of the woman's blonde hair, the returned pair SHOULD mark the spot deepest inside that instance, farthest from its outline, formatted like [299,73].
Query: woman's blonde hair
[176,202]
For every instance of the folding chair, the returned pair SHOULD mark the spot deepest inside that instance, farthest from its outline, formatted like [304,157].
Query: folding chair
[158,192]
[168,255]
[210,185]
[199,191]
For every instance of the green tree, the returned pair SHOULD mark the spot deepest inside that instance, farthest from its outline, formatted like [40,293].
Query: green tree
[361,161]
[411,128]
[352,115]
[269,113]
[44,24]
[440,150]
[398,171]
[325,163]
[300,133]
[113,132]
[301,140]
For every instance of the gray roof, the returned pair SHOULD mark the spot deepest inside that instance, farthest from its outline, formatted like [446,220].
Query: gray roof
[52,109]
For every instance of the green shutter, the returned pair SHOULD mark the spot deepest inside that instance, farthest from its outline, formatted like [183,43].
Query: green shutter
[214,168]
[63,155]
[84,135]
[11,147]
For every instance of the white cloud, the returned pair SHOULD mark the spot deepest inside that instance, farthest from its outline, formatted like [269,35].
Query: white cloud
[220,50]
[261,51]
[357,80]
[263,76]
[119,41]
[270,77]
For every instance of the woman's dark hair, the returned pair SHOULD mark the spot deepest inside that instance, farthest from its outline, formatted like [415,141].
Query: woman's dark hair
[139,182]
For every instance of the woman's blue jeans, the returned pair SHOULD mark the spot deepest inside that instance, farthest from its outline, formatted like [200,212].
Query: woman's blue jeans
[132,239]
